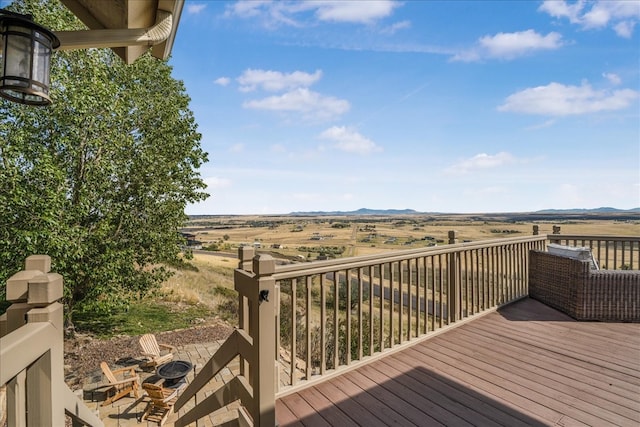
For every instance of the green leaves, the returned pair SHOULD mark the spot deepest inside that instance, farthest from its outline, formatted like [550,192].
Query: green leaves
[98,180]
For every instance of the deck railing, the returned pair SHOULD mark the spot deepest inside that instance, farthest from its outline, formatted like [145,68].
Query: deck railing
[299,323]
[339,313]
[31,351]
[326,317]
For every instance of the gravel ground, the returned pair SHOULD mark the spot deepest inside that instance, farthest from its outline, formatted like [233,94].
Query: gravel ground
[83,354]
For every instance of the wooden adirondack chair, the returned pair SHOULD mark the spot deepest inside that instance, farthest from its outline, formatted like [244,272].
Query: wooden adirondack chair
[156,354]
[161,402]
[120,387]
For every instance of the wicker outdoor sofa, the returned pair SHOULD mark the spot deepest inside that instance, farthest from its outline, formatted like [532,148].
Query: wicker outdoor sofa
[575,288]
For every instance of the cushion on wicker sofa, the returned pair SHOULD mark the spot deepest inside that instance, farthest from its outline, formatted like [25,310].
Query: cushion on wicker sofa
[573,252]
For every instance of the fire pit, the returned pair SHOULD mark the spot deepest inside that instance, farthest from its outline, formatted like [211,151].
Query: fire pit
[174,372]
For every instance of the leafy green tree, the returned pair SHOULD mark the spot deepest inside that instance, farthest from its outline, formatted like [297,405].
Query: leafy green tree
[98,180]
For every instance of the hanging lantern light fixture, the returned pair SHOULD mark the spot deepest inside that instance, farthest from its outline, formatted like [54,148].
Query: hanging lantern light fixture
[25,55]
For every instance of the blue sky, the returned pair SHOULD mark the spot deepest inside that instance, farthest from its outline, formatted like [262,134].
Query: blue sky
[456,106]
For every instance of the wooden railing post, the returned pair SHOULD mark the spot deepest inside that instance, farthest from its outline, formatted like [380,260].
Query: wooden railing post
[38,393]
[453,291]
[245,258]
[536,230]
[263,329]
[245,262]
[556,230]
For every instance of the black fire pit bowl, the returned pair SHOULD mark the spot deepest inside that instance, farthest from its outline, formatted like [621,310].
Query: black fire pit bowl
[173,372]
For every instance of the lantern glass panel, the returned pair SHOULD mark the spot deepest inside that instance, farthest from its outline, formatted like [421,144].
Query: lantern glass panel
[18,56]
[41,57]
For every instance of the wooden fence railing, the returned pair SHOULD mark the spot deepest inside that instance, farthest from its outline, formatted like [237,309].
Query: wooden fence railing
[31,351]
[299,323]
[303,323]
[306,322]
[339,313]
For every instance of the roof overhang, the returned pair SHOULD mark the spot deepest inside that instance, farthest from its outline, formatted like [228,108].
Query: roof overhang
[126,15]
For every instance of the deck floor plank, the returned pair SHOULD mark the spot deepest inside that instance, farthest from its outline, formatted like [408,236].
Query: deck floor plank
[552,360]
[526,364]
[286,418]
[609,354]
[580,355]
[420,379]
[323,405]
[554,392]
[343,402]
[552,369]
[415,407]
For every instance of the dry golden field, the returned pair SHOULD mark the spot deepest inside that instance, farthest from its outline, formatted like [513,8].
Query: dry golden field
[307,236]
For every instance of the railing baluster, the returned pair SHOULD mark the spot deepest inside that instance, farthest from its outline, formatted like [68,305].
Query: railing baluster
[323,327]
[308,328]
[400,302]
[336,320]
[347,275]
[418,293]
[425,311]
[468,304]
[391,303]
[294,332]
[360,284]
[371,316]
[433,293]
[409,299]
[381,298]
[440,291]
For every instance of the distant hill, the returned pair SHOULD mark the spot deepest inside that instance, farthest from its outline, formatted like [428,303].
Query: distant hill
[362,211]
[395,212]
[586,211]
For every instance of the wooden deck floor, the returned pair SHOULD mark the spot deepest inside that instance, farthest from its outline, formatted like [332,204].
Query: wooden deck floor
[524,365]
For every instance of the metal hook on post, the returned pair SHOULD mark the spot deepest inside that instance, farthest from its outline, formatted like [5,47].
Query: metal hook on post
[263,295]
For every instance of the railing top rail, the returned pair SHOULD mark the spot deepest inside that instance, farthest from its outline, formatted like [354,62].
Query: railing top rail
[593,237]
[318,267]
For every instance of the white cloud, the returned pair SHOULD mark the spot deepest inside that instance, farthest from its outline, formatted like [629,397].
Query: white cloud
[247,8]
[393,28]
[349,140]
[613,78]
[510,45]
[543,125]
[274,81]
[481,161]
[195,8]
[562,9]
[222,81]
[361,11]
[557,99]
[622,15]
[294,13]
[302,100]
[624,29]
[214,182]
